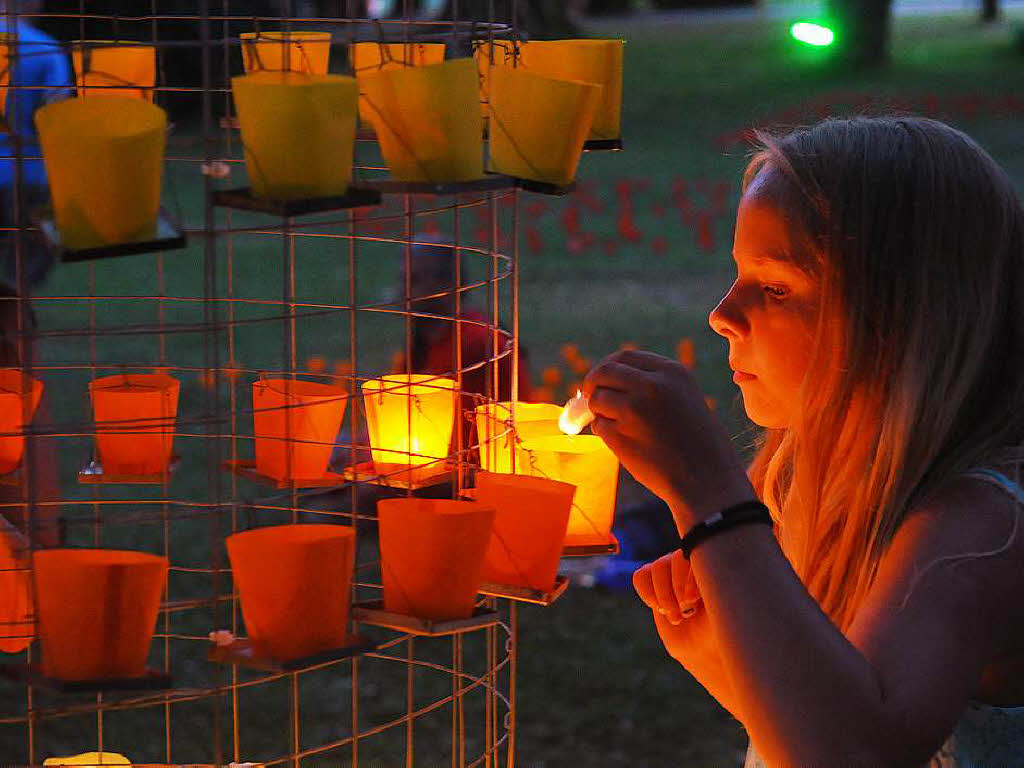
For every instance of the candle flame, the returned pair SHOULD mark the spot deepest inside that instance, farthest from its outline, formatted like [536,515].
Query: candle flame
[575,415]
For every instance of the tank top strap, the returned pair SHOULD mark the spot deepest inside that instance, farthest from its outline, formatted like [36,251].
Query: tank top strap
[998,478]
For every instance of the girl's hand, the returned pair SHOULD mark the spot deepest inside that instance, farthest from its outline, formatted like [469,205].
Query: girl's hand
[650,412]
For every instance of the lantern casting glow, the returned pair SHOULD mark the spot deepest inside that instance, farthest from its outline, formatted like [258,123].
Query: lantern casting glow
[19,398]
[134,415]
[107,68]
[497,437]
[409,418]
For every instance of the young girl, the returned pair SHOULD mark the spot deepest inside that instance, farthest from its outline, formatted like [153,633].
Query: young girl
[876,331]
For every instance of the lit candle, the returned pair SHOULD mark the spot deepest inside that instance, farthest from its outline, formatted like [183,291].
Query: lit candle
[575,415]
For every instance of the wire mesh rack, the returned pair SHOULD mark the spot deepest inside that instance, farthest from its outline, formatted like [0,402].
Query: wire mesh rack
[232,291]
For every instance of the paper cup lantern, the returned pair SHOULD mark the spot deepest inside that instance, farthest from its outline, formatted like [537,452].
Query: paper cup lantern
[530,523]
[368,58]
[295,424]
[298,133]
[19,398]
[586,462]
[17,626]
[134,416]
[89,759]
[6,42]
[431,553]
[538,124]
[104,159]
[504,54]
[497,441]
[588,61]
[107,68]
[427,120]
[409,418]
[293,582]
[96,611]
[305,52]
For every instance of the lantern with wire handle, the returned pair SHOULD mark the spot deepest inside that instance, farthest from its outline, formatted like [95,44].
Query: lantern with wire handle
[19,399]
[307,53]
[432,552]
[586,462]
[409,418]
[497,435]
[108,68]
[134,416]
[368,58]
[298,133]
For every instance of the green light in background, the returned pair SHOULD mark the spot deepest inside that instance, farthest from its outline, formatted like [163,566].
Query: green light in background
[812,34]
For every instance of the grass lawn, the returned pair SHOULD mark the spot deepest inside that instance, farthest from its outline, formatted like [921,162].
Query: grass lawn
[624,259]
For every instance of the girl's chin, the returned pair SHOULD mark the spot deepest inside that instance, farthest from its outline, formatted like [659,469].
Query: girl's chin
[764,414]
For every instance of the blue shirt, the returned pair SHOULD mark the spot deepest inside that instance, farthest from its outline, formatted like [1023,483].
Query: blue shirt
[41,62]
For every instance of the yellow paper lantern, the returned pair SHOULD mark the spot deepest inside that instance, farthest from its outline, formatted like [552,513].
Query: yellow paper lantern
[89,759]
[427,120]
[586,462]
[104,159]
[307,53]
[409,418]
[114,69]
[368,58]
[497,437]
[539,124]
[298,133]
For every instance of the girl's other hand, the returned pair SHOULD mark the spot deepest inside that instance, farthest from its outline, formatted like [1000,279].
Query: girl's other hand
[652,414]
[667,587]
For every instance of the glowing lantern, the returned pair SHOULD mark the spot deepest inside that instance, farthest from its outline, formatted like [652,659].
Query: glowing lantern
[539,124]
[19,398]
[134,416]
[104,159]
[432,552]
[497,436]
[96,611]
[409,418]
[368,58]
[305,52]
[427,120]
[531,515]
[298,133]
[6,40]
[293,582]
[586,462]
[295,424]
[17,626]
[114,69]
[89,759]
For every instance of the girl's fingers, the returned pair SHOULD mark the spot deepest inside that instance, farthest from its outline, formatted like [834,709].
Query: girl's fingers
[613,375]
[685,585]
[609,403]
[661,575]
[644,586]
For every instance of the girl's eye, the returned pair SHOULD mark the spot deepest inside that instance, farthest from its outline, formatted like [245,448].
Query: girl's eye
[776,291]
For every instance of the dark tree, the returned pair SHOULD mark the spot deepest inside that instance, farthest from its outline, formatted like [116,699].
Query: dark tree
[989,10]
[862,31]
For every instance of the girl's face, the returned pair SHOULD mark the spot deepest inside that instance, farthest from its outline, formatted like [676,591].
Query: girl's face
[770,313]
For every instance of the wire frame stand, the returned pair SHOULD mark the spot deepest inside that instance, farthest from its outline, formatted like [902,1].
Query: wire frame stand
[255,286]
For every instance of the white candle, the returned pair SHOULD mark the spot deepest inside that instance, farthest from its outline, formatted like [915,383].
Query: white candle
[575,415]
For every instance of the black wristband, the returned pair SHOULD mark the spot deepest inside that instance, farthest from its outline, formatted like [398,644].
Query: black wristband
[739,514]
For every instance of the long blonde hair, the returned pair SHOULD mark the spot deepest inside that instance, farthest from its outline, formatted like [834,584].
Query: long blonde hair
[917,236]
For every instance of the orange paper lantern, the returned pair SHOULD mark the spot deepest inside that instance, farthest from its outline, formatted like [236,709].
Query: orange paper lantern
[295,423]
[134,415]
[19,398]
[409,418]
[305,52]
[432,552]
[531,517]
[497,439]
[96,610]
[368,58]
[293,582]
[17,626]
[586,462]
[111,68]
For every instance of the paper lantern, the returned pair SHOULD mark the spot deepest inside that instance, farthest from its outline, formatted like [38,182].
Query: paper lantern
[432,551]
[6,41]
[19,398]
[134,416]
[497,441]
[104,160]
[114,69]
[503,52]
[539,124]
[17,626]
[427,120]
[530,523]
[368,58]
[307,53]
[96,611]
[89,759]
[293,582]
[298,133]
[586,462]
[295,424]
[409,418]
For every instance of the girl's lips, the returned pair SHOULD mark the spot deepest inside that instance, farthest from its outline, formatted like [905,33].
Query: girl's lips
[741,376]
